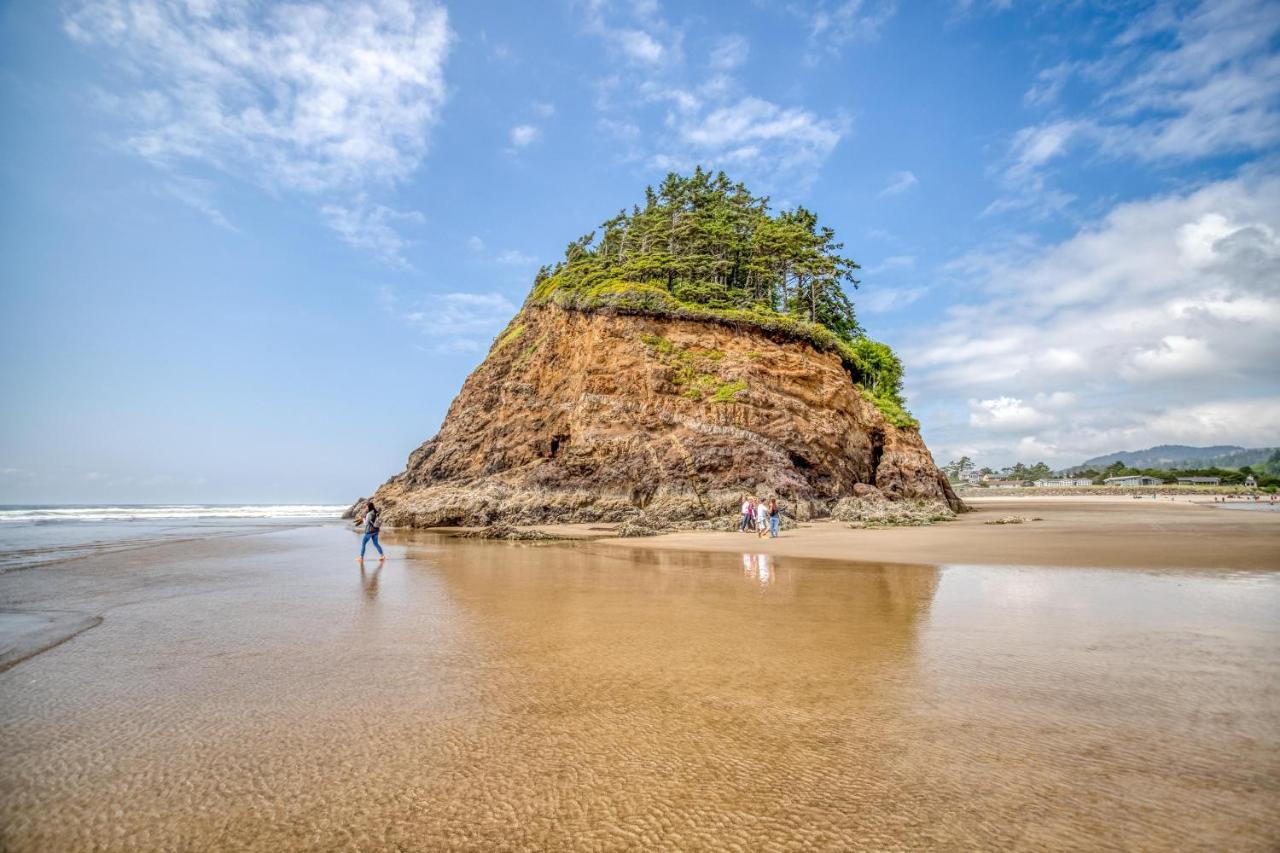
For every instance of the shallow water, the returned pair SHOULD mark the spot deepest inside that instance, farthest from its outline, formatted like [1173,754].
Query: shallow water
[264,693]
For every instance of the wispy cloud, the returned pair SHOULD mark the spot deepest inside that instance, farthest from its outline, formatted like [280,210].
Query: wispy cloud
[373,228]
[834,25]
[673,117]
[460,322]
[1173,87]
[900,183]
[729,52]
[331,99]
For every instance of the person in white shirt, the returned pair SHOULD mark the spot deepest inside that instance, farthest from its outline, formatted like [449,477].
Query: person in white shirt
[762,517]
[745,524]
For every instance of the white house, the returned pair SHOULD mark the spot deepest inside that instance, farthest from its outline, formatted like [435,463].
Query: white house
[1199,481]
[1135,480]
[1064,481]
[1251,481]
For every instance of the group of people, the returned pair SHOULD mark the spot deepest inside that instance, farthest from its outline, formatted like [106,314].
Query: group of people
[760,516]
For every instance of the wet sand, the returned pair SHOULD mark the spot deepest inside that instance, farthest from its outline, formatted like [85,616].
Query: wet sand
[1092,532]
[261,692]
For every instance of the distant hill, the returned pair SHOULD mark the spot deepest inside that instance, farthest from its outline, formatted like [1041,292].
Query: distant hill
[1167,457]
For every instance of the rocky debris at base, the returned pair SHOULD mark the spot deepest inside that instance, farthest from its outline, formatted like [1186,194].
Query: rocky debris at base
[640,527]
[1011,519]
[508,532]
[877,512]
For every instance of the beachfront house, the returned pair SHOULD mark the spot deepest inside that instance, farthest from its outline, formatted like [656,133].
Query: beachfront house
[1250,481]
[1004,484]
[1135,480]
[1199,481]
[1053,482]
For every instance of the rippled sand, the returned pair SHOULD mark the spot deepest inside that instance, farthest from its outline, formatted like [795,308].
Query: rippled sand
[262,693]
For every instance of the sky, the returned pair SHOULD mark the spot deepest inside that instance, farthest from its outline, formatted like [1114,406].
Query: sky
[251,251]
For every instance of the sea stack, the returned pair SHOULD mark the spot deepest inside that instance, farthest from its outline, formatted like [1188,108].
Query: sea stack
[666,371]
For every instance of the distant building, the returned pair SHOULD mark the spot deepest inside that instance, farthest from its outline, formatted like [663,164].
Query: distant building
[1004,484]
[1064,481]
[1199,481]
[1251,481]
[1135,480]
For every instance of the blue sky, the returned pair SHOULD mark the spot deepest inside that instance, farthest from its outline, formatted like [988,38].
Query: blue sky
[251,251]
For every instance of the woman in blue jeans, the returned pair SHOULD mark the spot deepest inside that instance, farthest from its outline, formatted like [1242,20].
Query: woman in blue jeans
[370,531]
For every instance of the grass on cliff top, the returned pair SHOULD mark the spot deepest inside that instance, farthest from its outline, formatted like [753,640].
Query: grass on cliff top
[874,367]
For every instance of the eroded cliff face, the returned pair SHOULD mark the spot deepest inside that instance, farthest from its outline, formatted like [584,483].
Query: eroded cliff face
[579,416]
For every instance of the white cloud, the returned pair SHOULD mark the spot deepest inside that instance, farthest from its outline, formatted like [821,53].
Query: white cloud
[1174,86]
[475,244]
[460,322]
[893,262]
[881,300]
[512,257]
[372,227]
[317,97]
[1162,306]
[729,53]
[755,135]
[198,194]
[523,134]
[900,183]
[639,45]
[673,117]
[833,25]
[1006,414]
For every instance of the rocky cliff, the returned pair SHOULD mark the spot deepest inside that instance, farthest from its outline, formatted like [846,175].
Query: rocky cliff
[585,416]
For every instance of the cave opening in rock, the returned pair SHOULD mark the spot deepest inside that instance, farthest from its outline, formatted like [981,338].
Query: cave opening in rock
[557,442]
[877,451]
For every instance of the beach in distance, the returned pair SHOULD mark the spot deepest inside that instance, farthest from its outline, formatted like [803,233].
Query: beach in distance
[1096,531]
[1105,677]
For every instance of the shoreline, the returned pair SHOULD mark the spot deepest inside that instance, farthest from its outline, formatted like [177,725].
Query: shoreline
[1085,532]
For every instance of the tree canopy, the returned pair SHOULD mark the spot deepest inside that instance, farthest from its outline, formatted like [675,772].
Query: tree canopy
[704,247]
[710,242]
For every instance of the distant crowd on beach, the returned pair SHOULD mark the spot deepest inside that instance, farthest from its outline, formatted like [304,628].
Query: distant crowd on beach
[1241,498]
[760,517]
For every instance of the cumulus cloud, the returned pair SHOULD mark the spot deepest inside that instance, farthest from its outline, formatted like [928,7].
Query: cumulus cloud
[1161,307]
[322,98]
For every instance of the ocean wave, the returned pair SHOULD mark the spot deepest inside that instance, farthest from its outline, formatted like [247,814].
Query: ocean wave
[47,514]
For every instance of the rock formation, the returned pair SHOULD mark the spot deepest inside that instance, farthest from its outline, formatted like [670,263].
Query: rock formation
[596,415]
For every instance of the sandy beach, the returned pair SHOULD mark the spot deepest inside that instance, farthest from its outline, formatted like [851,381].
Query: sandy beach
[1117,532]
[952,687]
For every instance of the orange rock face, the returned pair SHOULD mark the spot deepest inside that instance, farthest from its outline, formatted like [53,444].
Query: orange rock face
[587,416]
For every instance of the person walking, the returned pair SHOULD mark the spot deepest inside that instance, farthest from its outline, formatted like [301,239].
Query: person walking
[762,518]
[745,524]
[774,518]
[370,521]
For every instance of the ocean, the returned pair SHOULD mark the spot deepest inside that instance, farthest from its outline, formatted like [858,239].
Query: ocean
[33,535]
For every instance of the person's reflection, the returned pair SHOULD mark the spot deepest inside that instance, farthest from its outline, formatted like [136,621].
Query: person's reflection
[369,582]
[758,568]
